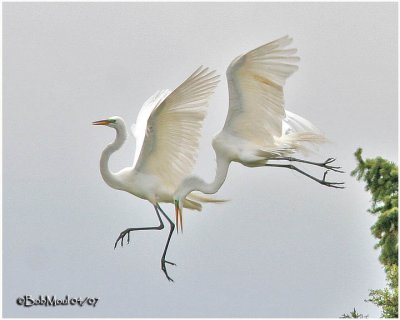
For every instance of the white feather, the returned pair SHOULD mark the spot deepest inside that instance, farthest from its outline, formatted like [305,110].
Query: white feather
[256,102]
[257,127]
[139,128]
[172,134]
[295,123]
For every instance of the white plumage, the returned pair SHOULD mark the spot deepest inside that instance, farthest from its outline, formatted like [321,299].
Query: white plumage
[173,131]
[256,102]
[167,132]
[257,127]
[139,128]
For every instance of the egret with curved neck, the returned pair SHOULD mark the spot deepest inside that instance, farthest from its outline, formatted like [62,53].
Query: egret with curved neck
[161,157]
[257,128]
[121,134]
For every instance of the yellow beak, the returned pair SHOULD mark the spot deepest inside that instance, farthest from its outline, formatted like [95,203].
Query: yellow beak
[101,123]
[178,216]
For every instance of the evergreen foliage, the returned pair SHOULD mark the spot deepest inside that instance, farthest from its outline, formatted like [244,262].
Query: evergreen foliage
[353,314]
[381,178]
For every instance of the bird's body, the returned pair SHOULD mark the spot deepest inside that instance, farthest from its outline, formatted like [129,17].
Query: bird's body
[130,179]
[167,133]
[296,131]
[257,128]
[142,185]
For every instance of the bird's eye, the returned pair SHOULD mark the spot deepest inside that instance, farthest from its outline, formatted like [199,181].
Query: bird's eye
[112,120]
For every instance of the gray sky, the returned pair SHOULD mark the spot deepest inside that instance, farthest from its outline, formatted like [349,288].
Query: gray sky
[283,246]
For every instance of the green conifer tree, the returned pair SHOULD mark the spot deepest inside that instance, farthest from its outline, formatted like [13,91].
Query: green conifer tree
[381,178]
[353,314]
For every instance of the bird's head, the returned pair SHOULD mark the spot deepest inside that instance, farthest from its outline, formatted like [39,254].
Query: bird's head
[113,122]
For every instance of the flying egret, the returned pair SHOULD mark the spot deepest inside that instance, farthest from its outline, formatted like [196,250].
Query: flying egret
[167,133]
[258,128]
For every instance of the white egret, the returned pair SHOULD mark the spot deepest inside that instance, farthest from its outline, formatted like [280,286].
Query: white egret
[258,128]
[167,132]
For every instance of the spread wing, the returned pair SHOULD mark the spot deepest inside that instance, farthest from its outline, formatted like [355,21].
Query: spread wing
[255,82]
[172,133]
[139,128]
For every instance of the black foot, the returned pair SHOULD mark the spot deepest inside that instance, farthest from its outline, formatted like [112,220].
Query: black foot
[326,166]
[164,269]
[338,185]
[122,236]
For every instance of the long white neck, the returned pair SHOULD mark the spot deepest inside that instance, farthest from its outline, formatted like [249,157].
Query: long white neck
[194,183]
[110,177]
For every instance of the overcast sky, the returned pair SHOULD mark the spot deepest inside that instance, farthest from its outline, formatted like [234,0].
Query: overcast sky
[284,246]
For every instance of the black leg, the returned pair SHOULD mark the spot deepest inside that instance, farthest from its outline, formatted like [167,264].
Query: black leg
[127,231]
[338,185]
[324,164]
[171,230]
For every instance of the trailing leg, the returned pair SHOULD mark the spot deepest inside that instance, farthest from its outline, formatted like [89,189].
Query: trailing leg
[324,164]
[127,231]
[322,181]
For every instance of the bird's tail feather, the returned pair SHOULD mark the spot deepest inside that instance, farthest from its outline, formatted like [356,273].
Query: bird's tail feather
[301,141]
[193,200]
[205,199]
[190,204]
